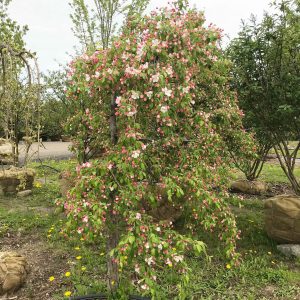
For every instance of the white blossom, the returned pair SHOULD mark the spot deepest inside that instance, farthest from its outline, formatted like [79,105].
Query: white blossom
[167,92]
[135,95]
[155,43]
[136,154]
[164,109]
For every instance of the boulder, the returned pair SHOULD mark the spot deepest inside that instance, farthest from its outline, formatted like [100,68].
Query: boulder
[16,179]
[13,272]
[66,182]
[24,193]
[249,187]
[163,209]
[6,152]
[289,249]
[282,218]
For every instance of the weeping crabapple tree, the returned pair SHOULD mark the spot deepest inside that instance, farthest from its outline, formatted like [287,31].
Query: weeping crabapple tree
[159,99]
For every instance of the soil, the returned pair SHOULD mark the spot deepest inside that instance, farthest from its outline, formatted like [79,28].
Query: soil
[43,261]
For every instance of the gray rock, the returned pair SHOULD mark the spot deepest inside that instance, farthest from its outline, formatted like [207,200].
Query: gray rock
[249,187]
[289,249]
[24,193]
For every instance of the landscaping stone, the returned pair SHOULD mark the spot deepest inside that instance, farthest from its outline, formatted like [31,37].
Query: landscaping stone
[164,210]
[249,187]
[6,153]
[66,182]
[16,179]
[282,218]
[24,193]
[13,272]
[289,249]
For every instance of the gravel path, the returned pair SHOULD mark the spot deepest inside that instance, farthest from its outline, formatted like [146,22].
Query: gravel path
[48,150]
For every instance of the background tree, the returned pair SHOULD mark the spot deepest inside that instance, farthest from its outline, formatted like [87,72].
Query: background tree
[94,27]
[54,108]
[266,64]
[19,85]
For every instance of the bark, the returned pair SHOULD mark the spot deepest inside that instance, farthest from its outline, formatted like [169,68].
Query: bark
[257,166]
[113,235]
[287,163]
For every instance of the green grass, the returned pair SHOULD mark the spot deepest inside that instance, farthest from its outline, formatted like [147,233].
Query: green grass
[263,272]
[270,173]
[274,173]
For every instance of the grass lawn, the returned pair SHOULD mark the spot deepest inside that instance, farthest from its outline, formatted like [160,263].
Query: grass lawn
[32,227]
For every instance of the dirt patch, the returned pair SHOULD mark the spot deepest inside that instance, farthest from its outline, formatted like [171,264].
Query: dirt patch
[274,189]
[43,261]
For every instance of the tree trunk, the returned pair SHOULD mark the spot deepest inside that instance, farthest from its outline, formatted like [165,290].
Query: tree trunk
[287,163]
[113,235]
[111,243]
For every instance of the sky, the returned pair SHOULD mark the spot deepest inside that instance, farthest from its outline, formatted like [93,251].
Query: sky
[50,34]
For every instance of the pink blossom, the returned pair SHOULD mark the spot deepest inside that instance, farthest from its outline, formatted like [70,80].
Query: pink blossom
[118,100]
[85,219]
[86,165]
[131,113]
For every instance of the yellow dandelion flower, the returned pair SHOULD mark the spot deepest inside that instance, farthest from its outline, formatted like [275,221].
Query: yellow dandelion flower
[68,274]
[67,293]
[77,248]
[38,184]
[102,253]
[113,282]
[49,236]
[83,268]
[228,266]
[79,257]
[82,239]
[51,278]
